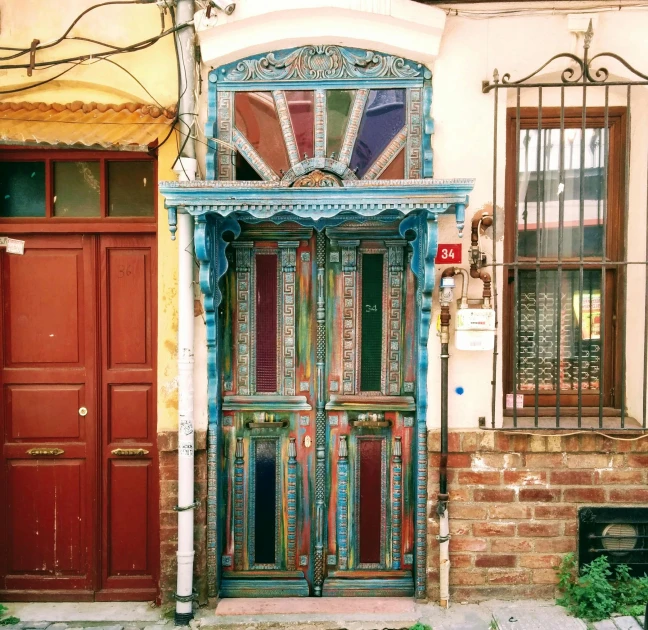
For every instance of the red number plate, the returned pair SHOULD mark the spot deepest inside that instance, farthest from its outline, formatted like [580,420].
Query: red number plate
[449,254]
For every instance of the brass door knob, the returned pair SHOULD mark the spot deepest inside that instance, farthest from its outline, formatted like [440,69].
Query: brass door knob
[83,411]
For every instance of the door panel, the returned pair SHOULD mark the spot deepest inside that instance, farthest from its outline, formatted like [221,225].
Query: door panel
[47,467]
[129,513]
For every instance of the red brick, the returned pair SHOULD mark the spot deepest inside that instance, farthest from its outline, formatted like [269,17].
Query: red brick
[510,545]
[519,443]
[619,476]
[461,560]
[531,561]
[460,528]
[468,511]
[571,528]
[502,442]
[629,495]
[508,576]
[584,495]
[524,477]
[539,494]
[497,560]
[544,576]
[587,460]
[544,460]
[637,461]
[499,460]
[494,496]
[467,578]
[455,460]
[555,511]
[512,510]
[481,477]
[555,545]
[488,528]
[572,477]
[460,494]
[538,529]
[461,543]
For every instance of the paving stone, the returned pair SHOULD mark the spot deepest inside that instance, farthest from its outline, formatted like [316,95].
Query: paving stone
[627,623]
[37,625]
[542,617]
[641,620]
[606,624]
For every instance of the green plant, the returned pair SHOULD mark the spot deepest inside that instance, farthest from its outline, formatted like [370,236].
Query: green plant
[420,626]
[7,621]
[597,591]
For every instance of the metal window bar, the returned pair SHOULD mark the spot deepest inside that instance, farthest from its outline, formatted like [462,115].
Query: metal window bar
[588,371]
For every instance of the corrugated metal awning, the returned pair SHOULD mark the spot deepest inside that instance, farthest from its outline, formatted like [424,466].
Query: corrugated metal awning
[97,125]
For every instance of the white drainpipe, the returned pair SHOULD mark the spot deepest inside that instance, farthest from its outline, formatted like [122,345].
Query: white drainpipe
[185,168]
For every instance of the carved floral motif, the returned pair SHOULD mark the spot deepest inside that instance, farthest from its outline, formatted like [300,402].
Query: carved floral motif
[317,179]
[323,62]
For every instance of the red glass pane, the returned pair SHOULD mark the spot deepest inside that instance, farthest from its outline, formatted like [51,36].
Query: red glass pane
[266,323]
[396,168]
[301,105]
[257,120]
[370,500]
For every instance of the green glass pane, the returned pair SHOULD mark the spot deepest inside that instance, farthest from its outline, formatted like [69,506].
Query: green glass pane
[22,189]
[77,187]
[372,317]
[131,189]
[338,105]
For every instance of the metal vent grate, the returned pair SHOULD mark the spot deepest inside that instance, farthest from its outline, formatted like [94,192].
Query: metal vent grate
[621,534]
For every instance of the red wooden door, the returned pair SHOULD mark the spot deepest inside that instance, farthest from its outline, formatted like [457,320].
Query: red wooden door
[130,510]
[78,466]
[48,417]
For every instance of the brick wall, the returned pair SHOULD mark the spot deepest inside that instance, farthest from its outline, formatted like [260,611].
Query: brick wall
[168,453]
[514,501]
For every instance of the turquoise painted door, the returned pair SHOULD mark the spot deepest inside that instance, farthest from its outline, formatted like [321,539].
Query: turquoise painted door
[318,413]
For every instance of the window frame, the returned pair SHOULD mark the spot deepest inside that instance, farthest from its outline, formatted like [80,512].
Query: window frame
[614,307]
[102,223]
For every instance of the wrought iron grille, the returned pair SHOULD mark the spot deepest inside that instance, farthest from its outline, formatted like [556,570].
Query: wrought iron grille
[575,301]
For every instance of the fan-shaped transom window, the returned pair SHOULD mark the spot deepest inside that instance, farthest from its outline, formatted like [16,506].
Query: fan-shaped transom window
[317,115]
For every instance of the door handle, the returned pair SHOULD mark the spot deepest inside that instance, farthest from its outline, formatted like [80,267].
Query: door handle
[45,451]
[129,452]
[83,411]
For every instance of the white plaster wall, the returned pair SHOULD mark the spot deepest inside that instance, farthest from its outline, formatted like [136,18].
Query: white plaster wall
[463,55]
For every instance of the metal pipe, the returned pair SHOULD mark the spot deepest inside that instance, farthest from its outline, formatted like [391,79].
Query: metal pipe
[453,271]
[185,167]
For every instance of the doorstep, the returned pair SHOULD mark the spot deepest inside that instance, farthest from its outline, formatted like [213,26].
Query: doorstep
[109,613]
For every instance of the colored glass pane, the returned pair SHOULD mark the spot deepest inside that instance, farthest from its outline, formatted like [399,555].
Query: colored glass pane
[383,118]
[266,323]
[257,120]
[22,189]
[301,104]
[265,501]
[77,188]
[338,105]
[372,332]
[131,189]
[370,500]
[396,168]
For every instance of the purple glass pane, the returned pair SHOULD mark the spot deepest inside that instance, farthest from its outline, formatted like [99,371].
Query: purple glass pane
[383,118]
[302,112]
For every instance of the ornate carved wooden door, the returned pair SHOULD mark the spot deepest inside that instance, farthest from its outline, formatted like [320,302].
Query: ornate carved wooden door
[317,412]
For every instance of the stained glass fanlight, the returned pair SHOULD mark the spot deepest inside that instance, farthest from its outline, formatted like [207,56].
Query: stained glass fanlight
[361,133]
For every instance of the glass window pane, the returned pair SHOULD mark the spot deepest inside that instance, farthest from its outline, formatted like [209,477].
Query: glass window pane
[77,188]
[22,189]
[338,106]
[257,120]
[383,118]
[540,190]
[266,323]
[396,168]
[265,501]
[557,364]
[302,112]
[131,189]
[372,318]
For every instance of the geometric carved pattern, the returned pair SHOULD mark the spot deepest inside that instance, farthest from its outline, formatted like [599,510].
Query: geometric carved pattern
[397,495]
[250,154]
[349,267]
[291,506]
[225,128]
[343,504]
[281,105]
[395,310]
[239,509]
[243,279]
[414,139]
[320,123]
[288,265]
[357,109]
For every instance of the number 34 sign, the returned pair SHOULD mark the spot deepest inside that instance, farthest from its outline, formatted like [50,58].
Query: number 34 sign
[449,253]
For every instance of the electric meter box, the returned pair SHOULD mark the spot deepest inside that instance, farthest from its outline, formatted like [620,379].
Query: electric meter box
[475,329]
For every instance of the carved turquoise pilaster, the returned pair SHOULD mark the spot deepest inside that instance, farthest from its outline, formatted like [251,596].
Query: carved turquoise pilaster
[428,129]
[291,505]
[343,504]
[239,505]
[397,502]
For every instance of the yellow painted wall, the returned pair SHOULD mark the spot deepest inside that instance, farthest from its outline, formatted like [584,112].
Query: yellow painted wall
[103,82]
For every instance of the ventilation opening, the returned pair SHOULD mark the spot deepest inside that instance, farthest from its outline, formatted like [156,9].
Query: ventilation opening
[620,534]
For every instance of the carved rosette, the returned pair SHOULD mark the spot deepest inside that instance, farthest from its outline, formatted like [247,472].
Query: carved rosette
[317,179]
